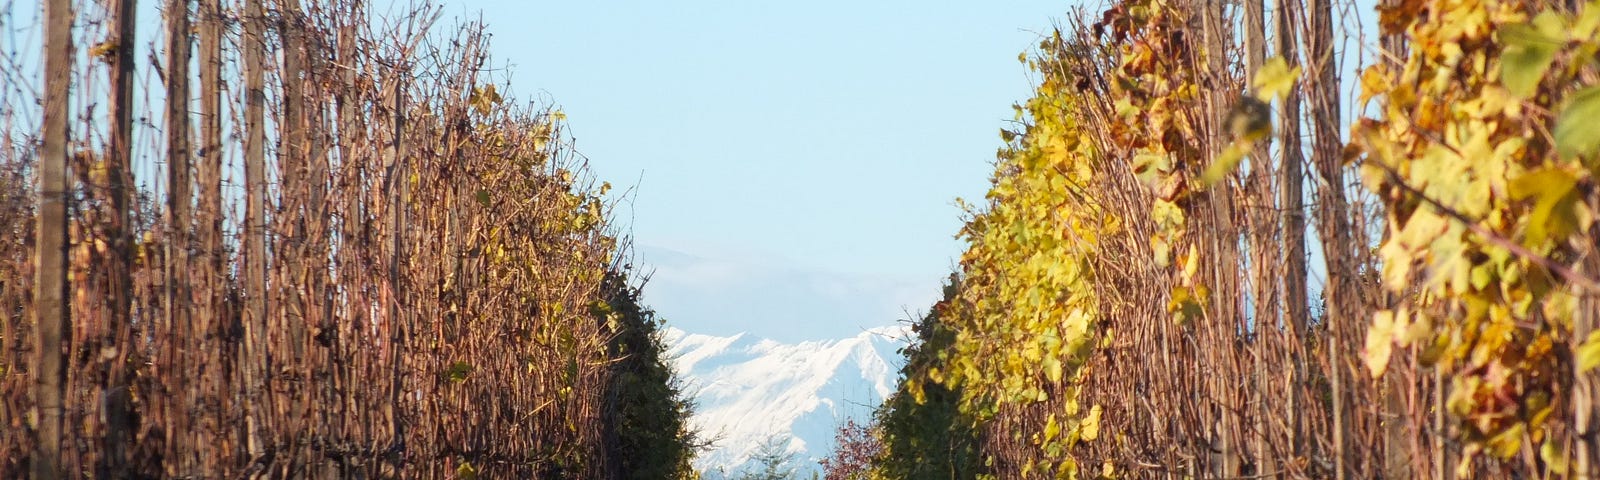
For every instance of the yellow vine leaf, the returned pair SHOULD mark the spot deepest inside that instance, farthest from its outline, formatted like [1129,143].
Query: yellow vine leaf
[915,387]
[1225,163]
[1274,79]
[1150,167]
[1374,82]
[1556,211]
[1184,306]
[1553,456]
[1191,263]
[1162,251]
[1089,429]
[1506,444]
[104,50]
[1380,342]
[1589,352]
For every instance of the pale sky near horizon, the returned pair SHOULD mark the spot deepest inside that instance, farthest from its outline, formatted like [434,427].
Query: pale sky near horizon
[796,162]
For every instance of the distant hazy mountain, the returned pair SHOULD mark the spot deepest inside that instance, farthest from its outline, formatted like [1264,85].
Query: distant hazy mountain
[750,389]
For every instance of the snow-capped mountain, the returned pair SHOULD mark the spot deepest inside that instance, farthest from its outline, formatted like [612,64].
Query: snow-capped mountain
[750,390]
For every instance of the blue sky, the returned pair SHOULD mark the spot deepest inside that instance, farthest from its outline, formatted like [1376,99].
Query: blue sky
[796,163]
[805,154]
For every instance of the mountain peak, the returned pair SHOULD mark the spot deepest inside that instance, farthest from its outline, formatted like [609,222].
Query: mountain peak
[749,390]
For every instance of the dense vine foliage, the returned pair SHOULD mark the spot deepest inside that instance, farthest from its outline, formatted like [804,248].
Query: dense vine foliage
[1485,154]
[1133,301]
[1025,316]
[1155,91]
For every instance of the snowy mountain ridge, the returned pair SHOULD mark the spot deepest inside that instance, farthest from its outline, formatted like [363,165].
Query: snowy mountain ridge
[750,390]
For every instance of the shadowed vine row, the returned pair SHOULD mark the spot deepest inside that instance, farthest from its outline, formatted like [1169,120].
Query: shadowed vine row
[351,258]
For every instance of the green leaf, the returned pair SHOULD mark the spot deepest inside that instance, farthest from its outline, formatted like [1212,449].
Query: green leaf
[1552,25]
[1530,49]
[458,372]
[1577,130]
